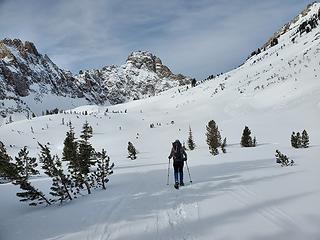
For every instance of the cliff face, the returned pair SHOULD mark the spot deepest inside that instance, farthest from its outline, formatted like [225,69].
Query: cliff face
[21,66]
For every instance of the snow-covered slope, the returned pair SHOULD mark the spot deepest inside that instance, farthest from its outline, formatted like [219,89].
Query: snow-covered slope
[242,194]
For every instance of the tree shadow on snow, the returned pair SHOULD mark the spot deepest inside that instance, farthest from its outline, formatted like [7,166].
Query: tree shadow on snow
[213,180]
[123,202]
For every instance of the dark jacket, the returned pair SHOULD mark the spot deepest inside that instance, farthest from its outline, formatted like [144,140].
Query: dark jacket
[182,156]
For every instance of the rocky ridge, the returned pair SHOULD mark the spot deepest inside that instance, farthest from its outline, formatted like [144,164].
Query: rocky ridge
[143,74]
[27,76]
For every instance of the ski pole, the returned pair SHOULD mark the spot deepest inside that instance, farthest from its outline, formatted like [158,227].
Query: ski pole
[168,172]
[188,172]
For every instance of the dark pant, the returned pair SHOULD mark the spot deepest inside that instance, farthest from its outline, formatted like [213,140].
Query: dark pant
[178,170]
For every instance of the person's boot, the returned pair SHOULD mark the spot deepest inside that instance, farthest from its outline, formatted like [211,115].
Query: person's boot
[181,183]
[176,185]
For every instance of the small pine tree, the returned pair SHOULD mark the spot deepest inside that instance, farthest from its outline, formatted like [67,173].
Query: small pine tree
[246,140]
[10,171]
[104,169]
[213,137]
[6,167]
[26,165]
[33,115]
[223,145]
[79,178]
[52,166]
[30,193]
[294,140]
[86,153]
[305,139]
[81,156]
[298,140]
[132,151]
[190,141]
[283,159]
[70,146]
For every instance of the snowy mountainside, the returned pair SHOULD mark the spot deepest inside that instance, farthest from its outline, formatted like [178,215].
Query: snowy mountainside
[32,83]
[311,12]
[28,79]
[288,70]
[242,194]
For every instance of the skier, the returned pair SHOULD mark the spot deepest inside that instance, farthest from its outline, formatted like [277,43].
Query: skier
[179,155]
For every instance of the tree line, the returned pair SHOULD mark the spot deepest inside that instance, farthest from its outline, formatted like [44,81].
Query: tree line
[86,169]
[214,141]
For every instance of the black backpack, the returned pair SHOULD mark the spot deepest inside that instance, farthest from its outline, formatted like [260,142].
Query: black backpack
[177,151]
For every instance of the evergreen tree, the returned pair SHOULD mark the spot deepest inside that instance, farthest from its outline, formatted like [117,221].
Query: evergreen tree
[283,159]
[30,193]
[6,167]
[213,137]
[298,140]
[246,140]
[33,115]
[132,151]
[10,171]
[305,139]
[81,156]
[52,166]
[86,151]
[104,169]
[294,140]
[70,146]
[80,178]
[223,145]
[26,165]
[190,141]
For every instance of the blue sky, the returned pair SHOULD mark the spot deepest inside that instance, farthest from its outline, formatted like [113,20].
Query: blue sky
[193,37]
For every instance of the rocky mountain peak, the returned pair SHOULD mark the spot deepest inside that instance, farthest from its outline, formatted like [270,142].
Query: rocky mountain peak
[23,48]
[146,60]
[143,59]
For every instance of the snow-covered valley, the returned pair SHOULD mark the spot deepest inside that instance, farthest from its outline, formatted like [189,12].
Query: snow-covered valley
[242,194]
